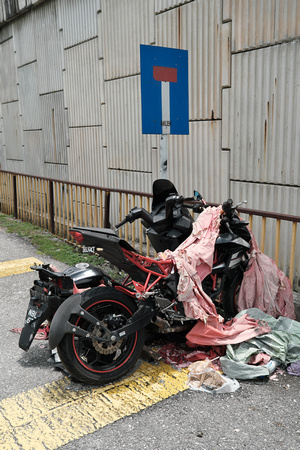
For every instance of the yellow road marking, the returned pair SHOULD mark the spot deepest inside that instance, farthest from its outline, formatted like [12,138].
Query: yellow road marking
[8,268]
[50,416]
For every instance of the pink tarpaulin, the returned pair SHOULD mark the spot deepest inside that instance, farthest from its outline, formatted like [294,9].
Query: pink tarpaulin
[194,260]
[265,286]
[233,332]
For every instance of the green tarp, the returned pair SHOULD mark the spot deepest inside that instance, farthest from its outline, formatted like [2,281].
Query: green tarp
[282,344]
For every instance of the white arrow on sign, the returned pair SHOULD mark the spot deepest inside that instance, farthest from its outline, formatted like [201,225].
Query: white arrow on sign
[165,75]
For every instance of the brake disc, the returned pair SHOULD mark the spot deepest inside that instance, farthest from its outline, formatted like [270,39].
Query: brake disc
[103,347]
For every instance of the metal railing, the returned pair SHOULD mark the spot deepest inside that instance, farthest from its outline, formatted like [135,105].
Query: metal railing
[59,205]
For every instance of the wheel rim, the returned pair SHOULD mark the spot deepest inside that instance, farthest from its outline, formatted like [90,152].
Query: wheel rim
[95,358]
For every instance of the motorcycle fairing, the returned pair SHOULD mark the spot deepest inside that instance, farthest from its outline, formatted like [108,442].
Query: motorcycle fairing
[41,307]
[50,291]
[108,245]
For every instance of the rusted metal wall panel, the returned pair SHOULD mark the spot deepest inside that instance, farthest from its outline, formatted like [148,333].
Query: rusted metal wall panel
[78,20]
[168,29]
[201,24]
[22,4]
[49,48]
[259,22]
[5,32]
[196,27]
[142,182]
[226,54]
[30,104]
[11,9]
[55,128]
[125,25]
[128,148]
[2,149]
[227,10]
[24,38]
[197,162]
[57,171]
[84,85]
[164,5]
[2,153]
[87,157]
[1,13]
[13,140]
[263,115]
[34,153]
[8,79]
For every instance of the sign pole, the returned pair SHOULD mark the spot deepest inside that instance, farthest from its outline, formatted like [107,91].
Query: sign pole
[163,156]
[166,125]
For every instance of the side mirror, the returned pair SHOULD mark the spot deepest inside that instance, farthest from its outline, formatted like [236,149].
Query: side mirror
[197,195]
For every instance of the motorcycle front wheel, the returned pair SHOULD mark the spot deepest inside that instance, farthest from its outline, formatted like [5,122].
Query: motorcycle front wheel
[93,362]
[230,295]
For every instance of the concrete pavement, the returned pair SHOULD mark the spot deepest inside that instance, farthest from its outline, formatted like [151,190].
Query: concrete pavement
[261,414]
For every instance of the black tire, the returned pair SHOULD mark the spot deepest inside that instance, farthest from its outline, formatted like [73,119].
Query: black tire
[91,362]
[230,295]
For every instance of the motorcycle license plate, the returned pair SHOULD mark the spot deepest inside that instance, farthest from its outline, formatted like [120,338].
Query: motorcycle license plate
[33,313]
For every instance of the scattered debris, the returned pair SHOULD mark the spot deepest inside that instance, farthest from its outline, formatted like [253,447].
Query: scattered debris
[203,376]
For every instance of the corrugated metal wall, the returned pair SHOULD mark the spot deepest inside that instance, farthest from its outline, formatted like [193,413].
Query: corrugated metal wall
[49,48]
[200,154]
[263,125]
[260,111]
[2,155]
[125,25]
[78,20]
[71,101]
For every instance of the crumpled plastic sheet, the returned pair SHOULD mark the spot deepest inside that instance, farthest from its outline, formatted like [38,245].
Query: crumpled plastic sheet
[202,376]
[282,344]
[294,369]
[193,260]
[265,286]
[239,329]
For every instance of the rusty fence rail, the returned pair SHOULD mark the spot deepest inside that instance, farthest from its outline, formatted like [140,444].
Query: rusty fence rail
[59,205]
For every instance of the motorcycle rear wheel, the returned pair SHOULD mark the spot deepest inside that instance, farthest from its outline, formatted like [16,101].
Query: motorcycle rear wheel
[90,361]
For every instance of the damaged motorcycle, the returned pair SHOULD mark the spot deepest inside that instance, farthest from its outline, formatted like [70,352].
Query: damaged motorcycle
[100,333]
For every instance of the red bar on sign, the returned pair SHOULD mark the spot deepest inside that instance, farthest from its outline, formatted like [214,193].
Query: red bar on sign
[165,74]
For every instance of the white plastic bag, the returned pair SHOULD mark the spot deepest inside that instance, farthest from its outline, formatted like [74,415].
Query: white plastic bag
[202,376]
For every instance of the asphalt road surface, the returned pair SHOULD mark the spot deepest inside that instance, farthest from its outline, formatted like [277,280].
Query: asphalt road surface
[41,408]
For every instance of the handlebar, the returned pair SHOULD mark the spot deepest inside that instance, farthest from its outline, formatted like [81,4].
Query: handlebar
[229,216]
[134,214]
[196,204]
[119,225]
[229,208]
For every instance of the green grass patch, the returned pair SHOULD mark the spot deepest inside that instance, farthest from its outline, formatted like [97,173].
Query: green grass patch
[46,243]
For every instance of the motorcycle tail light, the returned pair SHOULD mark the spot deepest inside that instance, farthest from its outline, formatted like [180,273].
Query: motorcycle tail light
[77,236]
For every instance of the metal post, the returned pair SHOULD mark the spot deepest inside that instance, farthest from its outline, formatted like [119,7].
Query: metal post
[163,156]
[15,196]
[106,209]
[51,207]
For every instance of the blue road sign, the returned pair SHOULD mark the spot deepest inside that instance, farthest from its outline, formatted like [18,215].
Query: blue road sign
[164,86]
